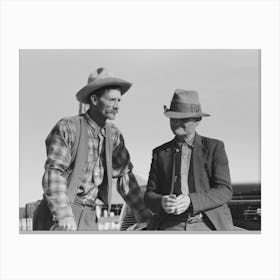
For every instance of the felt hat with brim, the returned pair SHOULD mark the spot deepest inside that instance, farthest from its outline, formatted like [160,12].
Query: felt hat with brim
[98,79]
[184,104]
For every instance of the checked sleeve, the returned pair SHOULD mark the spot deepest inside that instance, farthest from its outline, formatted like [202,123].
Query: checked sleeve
[127,184]
[58,143]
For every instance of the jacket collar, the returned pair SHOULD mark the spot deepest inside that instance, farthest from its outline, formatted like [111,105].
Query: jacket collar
[197,141]
[199,161]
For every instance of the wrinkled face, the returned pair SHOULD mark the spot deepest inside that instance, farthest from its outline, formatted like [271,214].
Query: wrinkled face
[184,127]
[107,105]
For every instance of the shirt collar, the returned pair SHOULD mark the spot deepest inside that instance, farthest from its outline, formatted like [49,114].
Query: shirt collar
[95,127]
[187,141]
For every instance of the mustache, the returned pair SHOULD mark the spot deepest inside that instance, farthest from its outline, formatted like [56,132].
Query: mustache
[113,111]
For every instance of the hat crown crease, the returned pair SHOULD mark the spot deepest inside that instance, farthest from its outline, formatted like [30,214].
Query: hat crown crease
[184,104]
[100,73]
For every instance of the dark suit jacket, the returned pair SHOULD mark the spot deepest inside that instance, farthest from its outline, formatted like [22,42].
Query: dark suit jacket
[210,180]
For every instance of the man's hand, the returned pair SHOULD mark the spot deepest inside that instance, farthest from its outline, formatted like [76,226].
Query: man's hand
[182,204]
[138,226]
[67,223]
[168,203]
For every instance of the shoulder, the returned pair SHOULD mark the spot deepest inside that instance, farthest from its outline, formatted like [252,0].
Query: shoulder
[66,125]
[114,129]
[116,133]
[117,136]
[212,143]
[65,129]
[163,147]
[69,122]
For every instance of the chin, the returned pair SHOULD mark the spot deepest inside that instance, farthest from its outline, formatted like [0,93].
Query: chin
[111,117]
[182,133]
[179,132]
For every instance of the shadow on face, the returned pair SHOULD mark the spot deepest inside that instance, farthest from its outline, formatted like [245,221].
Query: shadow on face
[184,127]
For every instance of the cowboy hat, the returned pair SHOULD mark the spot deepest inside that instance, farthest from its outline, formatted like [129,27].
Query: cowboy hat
[184,104]
[98,79]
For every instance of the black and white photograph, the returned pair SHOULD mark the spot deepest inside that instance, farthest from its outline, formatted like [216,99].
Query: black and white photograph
[180,124]
[139,140]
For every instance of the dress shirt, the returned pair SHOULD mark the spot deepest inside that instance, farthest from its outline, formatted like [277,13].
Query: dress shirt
[186,152]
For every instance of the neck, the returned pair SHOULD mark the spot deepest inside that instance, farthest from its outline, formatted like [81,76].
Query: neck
[95,116]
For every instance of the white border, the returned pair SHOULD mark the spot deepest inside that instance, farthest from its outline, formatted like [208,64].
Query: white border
[157,24]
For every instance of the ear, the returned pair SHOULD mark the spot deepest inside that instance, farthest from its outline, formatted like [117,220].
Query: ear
[93,99]
[197,123]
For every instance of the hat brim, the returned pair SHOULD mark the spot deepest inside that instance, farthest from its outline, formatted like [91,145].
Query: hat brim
[83,94]
[180,115]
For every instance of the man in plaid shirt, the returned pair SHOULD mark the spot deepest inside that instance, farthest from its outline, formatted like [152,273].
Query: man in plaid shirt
[103,93]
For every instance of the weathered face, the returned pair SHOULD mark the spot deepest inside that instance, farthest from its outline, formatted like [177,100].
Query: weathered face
[107,105]
[184,127]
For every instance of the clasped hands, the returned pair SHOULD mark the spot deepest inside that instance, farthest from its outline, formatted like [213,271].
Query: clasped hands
[175,205]
[65,224]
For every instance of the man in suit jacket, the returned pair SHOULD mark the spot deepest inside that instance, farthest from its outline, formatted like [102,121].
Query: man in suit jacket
[189,182]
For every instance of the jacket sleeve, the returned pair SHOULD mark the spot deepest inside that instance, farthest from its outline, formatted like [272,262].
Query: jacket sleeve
[152,195]
[220,191]
[58,144]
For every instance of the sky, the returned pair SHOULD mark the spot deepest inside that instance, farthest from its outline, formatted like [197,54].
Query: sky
[228,82]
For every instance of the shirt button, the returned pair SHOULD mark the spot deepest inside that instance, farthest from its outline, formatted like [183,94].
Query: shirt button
[96,173]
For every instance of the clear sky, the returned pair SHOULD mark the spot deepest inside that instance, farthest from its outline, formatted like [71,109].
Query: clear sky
[228,82]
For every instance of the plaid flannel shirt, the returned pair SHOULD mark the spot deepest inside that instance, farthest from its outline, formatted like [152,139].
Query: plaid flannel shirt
[59,143]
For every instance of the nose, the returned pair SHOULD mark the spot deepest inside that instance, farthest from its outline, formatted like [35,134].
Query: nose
[116,104]
[176,122]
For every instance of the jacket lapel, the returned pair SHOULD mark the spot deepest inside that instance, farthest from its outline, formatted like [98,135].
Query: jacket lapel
[167,161]
[199,159]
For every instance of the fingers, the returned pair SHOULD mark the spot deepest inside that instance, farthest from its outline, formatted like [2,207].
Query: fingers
[175,205]
[182,204]
[168,199]
[62,225]
[170,210]
[168,203]
[183,199]
[74,227]
[180,209]
[67,224]
[180,198]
